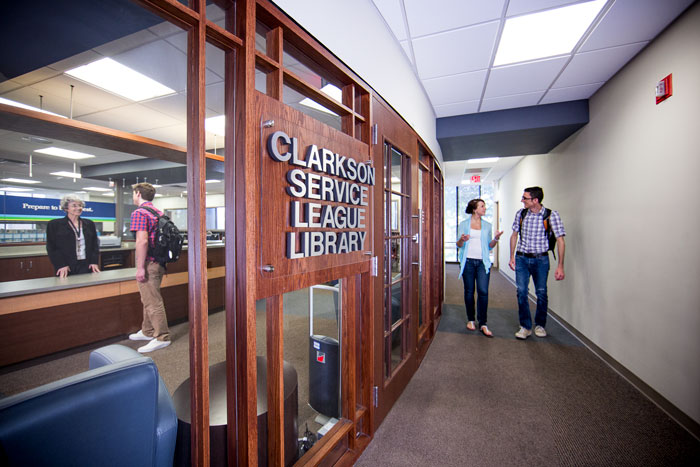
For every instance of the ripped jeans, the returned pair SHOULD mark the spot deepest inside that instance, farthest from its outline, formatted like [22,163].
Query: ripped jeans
[538,268]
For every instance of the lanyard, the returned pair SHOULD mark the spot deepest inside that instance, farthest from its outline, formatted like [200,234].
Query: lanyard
[75,231]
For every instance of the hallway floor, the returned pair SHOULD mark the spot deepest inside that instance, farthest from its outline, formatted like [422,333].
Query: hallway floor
[495,402]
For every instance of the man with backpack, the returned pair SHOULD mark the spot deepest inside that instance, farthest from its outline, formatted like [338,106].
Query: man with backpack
[149,272]
[539,230]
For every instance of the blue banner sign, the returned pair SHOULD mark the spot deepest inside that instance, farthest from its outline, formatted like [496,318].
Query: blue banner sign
[20,208]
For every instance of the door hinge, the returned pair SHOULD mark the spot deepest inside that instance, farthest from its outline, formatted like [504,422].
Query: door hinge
[376,396]
[374,267]
[375,133]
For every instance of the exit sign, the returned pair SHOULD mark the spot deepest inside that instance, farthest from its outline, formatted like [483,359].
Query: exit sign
[476,179]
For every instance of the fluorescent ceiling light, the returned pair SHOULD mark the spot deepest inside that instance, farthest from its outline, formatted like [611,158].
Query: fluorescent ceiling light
[216,125]
[483,160]
[28,107]
[329,90]
[545,34]
[108,194]
[158,195]
[67,174]
[212,181]
[156,186]
[114,77]
[95,188]
[395,180]
[19,180]
[15,188]
[39,195]
[60,152]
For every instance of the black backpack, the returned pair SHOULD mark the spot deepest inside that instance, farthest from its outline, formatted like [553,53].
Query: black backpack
[168,240]
[551,238]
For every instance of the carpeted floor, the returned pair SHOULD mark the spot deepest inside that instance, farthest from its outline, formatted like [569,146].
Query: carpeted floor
[501,402]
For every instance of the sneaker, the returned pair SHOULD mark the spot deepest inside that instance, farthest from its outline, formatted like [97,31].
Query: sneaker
[540,332]
[139,336]
[155,344]
[523,333]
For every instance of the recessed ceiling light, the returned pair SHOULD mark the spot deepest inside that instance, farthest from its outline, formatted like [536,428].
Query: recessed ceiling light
[19,180]
[216,125]
[328,89]
[96,188]
[545,34]
[67,174]
[60,152]
[15,188]
[114,77]
[28,107]
[483,160]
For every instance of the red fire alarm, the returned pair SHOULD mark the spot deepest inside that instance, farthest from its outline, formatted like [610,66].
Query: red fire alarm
[476,178]
[664,89]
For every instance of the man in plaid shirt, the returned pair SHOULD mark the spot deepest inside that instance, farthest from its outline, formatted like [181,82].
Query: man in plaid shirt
[149,273]
[531,258]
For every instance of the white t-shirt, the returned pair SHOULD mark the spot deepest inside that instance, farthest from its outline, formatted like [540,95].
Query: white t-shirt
[474,244]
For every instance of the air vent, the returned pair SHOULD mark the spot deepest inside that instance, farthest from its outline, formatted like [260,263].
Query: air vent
[36,139]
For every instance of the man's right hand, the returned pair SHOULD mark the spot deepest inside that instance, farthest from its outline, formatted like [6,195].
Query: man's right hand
[511,263]
[141,275]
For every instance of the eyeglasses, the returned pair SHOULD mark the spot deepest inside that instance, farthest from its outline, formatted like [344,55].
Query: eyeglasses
[525,199]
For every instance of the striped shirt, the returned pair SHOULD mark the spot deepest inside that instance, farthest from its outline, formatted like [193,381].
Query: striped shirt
[143,220]
[533,238]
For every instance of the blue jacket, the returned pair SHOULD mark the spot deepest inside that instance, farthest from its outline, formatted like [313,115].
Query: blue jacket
[486,237]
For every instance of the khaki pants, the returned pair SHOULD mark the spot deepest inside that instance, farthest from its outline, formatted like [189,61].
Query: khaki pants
[155,323]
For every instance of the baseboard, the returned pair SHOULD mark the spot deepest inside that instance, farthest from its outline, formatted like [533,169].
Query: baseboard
[660,401]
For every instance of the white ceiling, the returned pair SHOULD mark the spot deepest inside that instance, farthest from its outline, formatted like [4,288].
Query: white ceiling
[452,46]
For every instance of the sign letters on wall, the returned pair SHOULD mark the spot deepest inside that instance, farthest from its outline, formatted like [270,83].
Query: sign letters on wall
[340,182]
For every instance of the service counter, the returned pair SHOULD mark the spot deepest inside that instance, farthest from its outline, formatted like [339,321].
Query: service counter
[41,316]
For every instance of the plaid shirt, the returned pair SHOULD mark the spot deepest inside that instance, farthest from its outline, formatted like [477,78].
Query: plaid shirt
[142,220]
[533,239]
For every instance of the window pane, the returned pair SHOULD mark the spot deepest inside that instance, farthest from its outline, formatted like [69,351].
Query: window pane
[396,341]
[396,302]
[396,172]
[396,210]
[310,107]
[450,230]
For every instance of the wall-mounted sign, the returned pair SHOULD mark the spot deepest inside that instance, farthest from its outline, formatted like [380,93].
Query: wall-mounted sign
[332,196]
[21,208]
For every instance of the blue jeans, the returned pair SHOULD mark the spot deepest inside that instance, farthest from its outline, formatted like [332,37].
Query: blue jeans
[538,268]
[475,273]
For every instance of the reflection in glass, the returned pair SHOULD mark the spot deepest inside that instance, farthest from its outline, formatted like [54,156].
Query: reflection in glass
[396,214]
[395,258]
[310,107]
[396,302]
[396,172]
[396,341]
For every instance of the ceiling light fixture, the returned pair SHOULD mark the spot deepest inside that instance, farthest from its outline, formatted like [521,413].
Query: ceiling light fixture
[14,188]
[545,34]
[216,125]
[28,107]
[483,160]
[60,152]
[95,188]
[67,174]
[212,181]
[329,90]
[19,180]
[119,79]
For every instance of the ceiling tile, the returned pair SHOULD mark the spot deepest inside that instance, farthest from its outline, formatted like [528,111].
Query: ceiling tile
[573,93]
[447,53]
[522,78]
[132,118]
[158,60]
[630,21]
[521,7]
[597,66]
[428,17]
[393,14]
[175,134]
[509,102]
[457,108]
[174,105]
[125,43]
[455,88]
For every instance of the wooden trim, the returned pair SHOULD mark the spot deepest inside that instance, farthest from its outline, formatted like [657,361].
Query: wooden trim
[315,456]
[275,385]
[315,94]
[173,11]
[221,38]
[197,241]
[349,349]
[275,79]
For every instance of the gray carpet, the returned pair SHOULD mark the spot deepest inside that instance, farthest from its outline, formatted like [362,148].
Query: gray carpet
[495,402]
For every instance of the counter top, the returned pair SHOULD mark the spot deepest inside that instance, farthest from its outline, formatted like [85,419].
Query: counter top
[51,284]
[27,251]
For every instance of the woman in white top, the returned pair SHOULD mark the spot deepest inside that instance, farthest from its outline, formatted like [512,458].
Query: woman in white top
[475,242]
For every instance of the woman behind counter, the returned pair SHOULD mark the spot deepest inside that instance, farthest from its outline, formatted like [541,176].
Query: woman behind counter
[71,242]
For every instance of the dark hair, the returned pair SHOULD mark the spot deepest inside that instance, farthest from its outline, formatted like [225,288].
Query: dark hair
[471,205]
[535,192]
[146,190]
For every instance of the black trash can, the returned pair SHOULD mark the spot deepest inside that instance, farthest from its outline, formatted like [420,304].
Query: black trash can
[324,375]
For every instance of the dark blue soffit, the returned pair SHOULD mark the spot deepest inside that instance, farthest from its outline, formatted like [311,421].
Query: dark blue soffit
[512,132]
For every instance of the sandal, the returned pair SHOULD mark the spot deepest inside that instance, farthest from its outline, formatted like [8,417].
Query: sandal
[471,326]
[485,331]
